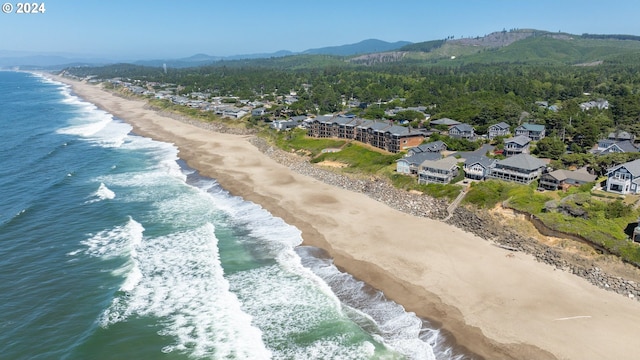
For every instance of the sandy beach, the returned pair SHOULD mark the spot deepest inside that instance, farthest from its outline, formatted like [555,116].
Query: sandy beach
[498,304]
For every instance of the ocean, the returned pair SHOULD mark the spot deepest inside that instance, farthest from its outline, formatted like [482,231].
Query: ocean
[112,248]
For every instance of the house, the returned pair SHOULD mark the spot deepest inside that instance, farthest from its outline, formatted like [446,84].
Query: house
[600,104]
[432,147]
[620,136]
[482,151]
[522,168]
[624,178]
[516,145]
[258,111]
[462,131]
[563,179]
[478,167]
[609,147]
[439,171]
[445,121]
[232,111]
[499,129]
[532,131]
[285,124]
[409,165]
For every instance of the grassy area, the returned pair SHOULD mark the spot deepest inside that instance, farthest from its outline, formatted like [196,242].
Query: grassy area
[361,159]
[297,139]
[599,220]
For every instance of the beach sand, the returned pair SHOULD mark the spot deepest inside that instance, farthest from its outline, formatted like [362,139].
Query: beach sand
[498,304]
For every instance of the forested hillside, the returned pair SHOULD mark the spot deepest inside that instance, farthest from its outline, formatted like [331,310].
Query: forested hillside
[509,83]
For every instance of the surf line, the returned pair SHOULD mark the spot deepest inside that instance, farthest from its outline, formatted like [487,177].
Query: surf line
[573,318]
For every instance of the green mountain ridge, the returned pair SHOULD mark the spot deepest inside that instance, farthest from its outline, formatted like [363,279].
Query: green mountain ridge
[526,47]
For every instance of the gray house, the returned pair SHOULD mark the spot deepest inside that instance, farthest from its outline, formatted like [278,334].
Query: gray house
[532,131]
[445,121]
[522,168]
[462,131]
[478,167]
[609,147]
[432,147]
[516,145]
[439,171]
[409,165]
[499,129]
[562,179]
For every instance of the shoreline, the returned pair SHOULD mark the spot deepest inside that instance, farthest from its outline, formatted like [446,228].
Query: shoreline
[431,268]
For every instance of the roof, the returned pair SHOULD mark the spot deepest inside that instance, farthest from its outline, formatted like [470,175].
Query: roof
[501,125]
[442,164]
[520,140]
[433,146]
[403,131]
[482,160]
[463,127]
[419,158]
[522,161]
[633,167]
[485,148]
[379,125]
[626,146]
[620,135]
[531,127]
[581,175]
[444,121]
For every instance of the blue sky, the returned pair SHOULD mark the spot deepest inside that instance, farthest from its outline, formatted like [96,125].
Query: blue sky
[159,29]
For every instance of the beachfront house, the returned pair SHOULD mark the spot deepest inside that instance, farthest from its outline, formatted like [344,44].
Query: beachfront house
[624,178]
[439,171]
[522,168]
[516,145]
[499,129]
[478,167]
[563,179]
[534,132]
[409,165]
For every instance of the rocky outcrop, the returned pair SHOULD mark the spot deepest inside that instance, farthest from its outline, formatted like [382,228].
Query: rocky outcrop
[484,225]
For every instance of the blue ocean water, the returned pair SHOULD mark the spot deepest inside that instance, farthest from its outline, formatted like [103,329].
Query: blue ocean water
[111,248]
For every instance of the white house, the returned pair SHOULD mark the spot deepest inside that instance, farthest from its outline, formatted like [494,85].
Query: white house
[624,178]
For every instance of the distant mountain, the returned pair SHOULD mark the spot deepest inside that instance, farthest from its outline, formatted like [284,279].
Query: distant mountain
[204,59]
[32,60]
[363,47]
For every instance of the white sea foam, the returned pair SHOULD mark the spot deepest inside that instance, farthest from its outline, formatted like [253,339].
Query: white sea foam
[120,241]
[178,279]
[103,193]
[402,331]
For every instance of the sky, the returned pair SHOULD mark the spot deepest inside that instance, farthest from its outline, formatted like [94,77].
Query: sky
[163,29]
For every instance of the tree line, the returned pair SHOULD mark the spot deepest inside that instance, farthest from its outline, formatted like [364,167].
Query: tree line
[476,93]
